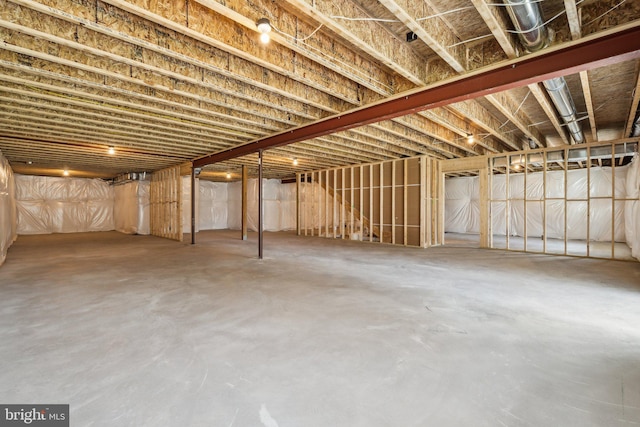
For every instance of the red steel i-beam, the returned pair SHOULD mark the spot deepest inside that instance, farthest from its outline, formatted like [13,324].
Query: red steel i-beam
[598,50]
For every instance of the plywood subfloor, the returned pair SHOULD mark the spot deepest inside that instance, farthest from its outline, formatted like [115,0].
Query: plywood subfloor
[141,331]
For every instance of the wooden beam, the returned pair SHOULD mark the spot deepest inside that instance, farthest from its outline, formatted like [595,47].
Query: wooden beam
[261,57]
[573,17]
[433,32]
[549,110]
[507,106]
[238,12]
[633,108]
[586,90]
[498,25]
[369,36]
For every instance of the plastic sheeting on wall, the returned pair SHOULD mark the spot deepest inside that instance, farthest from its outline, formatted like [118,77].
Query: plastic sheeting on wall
[131,211]
[632,208]
[63,205]
[279,205]
[462,205]
[8,230]
[287,198]
[212,205]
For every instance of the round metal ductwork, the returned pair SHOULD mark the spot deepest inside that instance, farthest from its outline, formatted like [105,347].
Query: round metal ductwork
[527,20]
[534,35]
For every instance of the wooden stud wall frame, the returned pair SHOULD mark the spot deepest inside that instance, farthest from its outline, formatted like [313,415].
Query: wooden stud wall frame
[396,202]
[401,202]
[165,199]
[570,203]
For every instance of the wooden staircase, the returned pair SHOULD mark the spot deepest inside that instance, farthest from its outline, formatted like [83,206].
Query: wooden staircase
[375,230]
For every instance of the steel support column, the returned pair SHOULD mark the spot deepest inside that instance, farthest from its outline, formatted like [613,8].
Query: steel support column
[260,204]
[193,204]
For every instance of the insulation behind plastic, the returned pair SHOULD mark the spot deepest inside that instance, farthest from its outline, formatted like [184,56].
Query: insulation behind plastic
[131,207]
[63,205]
[8,219]
[279,205]
[462,207]
[211,202]
[632,208]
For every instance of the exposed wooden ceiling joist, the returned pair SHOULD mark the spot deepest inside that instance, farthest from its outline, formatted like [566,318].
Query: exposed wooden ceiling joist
[185,78]
[588,53]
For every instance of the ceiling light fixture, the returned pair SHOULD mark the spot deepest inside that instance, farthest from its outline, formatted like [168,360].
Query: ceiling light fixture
[470,138]
[264,26]
[65,172]
[29,162]
[111,150]
[228,175]
[295,161]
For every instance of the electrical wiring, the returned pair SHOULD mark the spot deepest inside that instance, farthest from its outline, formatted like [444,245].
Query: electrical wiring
[608,11]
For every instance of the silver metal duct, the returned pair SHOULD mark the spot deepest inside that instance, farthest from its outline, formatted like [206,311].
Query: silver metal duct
[533,34]
[561,97]
[527,19]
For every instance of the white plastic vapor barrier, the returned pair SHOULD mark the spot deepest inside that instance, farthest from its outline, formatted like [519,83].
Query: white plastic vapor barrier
[8,232]
[287,198]
[279,205]
[211,202]
[63,205]
[219,205]
[632,208]
[462,205]
[131,211]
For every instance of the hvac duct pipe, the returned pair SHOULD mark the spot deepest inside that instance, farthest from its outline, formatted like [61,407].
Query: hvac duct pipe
[561,97]
[534,36]
[527,20]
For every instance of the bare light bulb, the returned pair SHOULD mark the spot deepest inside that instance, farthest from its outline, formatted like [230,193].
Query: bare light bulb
[264,26]
[65,172]
[295,162]
[228,175]
[470,139]
[111,151]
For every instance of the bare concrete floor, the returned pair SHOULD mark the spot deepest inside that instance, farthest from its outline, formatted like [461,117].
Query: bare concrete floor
[141,331]
[604,250]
